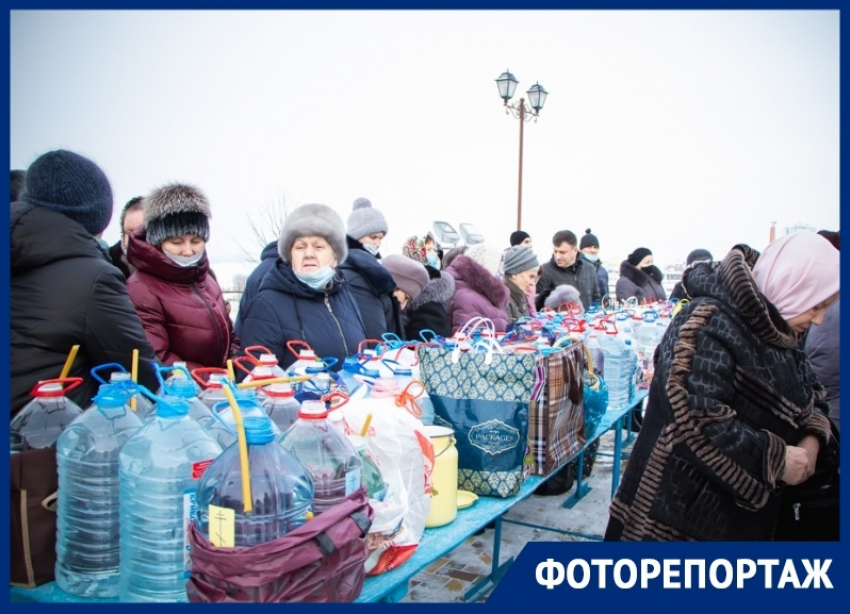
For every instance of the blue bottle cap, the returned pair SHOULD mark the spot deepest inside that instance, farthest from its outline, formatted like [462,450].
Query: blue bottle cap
[258,430]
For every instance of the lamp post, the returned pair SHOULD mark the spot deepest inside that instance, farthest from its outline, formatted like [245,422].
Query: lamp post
[536,98]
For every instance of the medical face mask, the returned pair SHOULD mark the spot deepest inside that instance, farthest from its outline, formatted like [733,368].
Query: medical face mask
[591,257]
[317,279]
[431,257]
[185,261]
[372,249]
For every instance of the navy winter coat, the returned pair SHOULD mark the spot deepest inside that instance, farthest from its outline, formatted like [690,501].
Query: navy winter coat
[372,287]
[286,309]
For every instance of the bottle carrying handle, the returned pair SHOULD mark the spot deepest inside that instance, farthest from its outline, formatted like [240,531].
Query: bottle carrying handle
[380,346]
[197,375]
[425,333]
[168,369]
[322,364]
[69,383]
[392,340]
[240,359]
[292,344]
[409,346]
[249,356]
[110,365]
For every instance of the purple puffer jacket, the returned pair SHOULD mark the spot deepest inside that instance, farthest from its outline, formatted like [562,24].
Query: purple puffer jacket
[478,293]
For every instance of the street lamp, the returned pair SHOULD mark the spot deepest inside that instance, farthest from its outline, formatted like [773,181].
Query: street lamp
[536,98]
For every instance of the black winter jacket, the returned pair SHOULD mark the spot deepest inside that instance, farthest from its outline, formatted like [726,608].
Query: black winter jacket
[428,310]
[286,309]
[252,285]
[580,274]
[372,287]
[65,292]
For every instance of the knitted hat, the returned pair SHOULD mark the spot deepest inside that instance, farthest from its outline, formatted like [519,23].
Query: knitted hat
[175,210]
[365,220]
[588,240]
[488,256]
[313,220]
[699,255]
[410,276]
[70,184]
[518,236]
[518,259]
[639,254]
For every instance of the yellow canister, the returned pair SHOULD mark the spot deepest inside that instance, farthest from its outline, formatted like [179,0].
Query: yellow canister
[444,476]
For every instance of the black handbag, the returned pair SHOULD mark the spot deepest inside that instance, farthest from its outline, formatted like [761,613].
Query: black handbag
[810,511]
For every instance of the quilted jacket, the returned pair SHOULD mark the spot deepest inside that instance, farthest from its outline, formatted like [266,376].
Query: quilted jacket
[732,387]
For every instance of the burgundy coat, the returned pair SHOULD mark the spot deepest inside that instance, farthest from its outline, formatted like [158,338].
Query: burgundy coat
[477,293]
[182,308]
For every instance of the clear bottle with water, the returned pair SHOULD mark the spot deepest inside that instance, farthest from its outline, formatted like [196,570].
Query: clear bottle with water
[281,405]
[223,425]
[139,402]
[281,491]
[178,370]
[159,470]
[617,370]
[184,388]
[41,421]
[596,354]
[327,454]
[213,391]
[87,529]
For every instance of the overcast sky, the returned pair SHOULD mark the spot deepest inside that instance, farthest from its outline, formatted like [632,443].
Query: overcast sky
[665,129]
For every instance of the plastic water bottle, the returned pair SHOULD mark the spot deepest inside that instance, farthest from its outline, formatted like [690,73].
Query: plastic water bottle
[596,354]
[87,533]
[159,470]
[213,393]
[280,405]
[120,375]
[281,491]
[41,421]
[178,369]
[352,366]
[184,388]
[327,454]
[223,425]
[617,370]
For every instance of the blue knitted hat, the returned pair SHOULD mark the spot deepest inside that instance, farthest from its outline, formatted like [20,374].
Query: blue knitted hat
[72,185]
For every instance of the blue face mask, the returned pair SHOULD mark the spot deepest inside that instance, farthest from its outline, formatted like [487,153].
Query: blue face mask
[372,249]
[317,279]
[592,257]
[185,261]
[431,257]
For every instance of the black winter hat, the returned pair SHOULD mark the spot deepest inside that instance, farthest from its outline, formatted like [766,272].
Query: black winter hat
[518,236]
[639,254]
[175,210]
[698,255]
[588,240]
[70,184]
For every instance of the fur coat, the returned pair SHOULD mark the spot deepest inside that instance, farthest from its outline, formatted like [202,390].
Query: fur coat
[478,293]
[635,282]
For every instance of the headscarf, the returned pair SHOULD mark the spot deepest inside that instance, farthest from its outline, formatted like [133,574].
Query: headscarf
[797,272]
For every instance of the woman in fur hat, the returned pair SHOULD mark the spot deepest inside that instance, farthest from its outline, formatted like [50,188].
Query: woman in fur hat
[478,290]
[304,296]
[640,278]
[174,292]
[369,282]
[735,415]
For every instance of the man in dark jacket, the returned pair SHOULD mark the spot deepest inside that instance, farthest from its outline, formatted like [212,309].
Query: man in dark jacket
[589,247]
[64,291]
[566,267]
[132,216]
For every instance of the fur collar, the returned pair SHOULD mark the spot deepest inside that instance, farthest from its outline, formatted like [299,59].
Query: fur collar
[639,277]
[479,280]
[435,291]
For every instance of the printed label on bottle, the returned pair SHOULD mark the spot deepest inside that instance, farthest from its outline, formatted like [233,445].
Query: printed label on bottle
[190,503]
[199,468]
[352,481]
[222,526]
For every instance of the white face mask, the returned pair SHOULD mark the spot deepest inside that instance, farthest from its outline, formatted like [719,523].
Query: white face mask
[317,279]
[185,261]
[372,249]
[591,257]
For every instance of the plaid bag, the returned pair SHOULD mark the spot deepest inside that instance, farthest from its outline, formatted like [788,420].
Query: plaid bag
[483,395]
[556,420]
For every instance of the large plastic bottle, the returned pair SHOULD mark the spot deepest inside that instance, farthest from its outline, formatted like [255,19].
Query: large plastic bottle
[213,392]
[327,454]
[159,470]
[140,403]
[223,425]
[280,405]
[178,370]
[281,491]
[87,530]
[596,354]
[617,369]
[184,388]
[41,421]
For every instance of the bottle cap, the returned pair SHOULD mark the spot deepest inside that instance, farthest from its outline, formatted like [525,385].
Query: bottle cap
[313,410]
[268,359]
[258,430]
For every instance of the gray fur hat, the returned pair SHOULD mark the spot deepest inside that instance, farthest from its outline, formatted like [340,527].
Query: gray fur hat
[175,210]
[365,220]
[313,219]
[562,294]
[518,259]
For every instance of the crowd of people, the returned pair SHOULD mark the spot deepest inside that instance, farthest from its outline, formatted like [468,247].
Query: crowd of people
[743,401]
